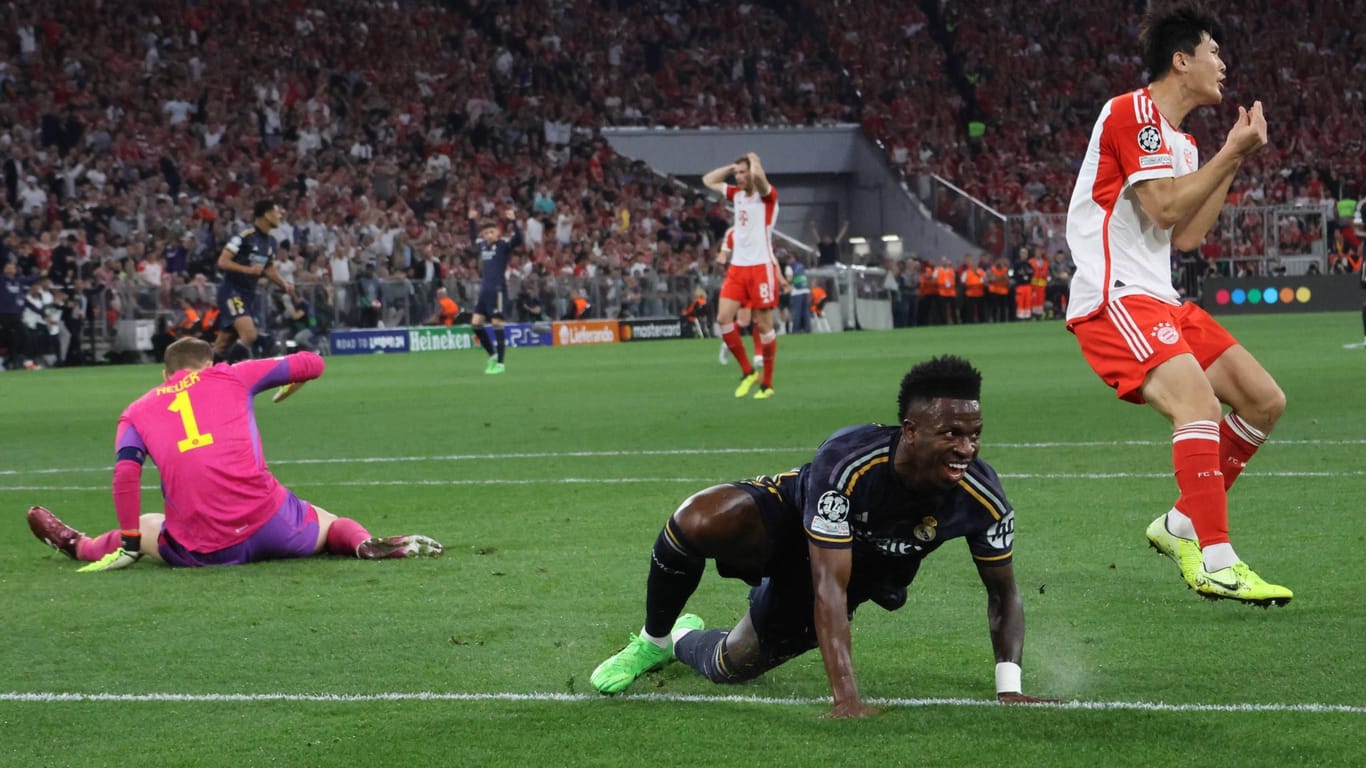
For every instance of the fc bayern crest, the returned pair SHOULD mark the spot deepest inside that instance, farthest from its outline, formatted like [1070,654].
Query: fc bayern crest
[1166,333]
[1149,139]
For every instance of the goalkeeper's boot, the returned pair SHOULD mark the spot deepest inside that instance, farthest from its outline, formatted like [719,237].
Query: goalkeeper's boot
[747,383]
[384,547]
[53,532]
[1184,552]
[1241,583]
[284,392]
[764,393]
[490,365]
[496,368]
[638,657]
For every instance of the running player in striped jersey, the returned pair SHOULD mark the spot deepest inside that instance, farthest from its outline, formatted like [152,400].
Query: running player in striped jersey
[1140,191]
[850,527]
[223,507]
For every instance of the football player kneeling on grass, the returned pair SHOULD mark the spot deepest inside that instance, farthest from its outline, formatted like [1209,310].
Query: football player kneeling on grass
[223,507]
[851,526]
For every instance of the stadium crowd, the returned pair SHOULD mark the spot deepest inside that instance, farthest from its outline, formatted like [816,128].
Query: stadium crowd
[136,136]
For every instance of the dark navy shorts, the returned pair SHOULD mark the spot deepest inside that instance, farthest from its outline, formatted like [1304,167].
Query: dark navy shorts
[491,302]
[291,532]
[782,602]
[233,303]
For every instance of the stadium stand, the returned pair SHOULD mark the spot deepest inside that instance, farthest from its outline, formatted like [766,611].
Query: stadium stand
[148,129]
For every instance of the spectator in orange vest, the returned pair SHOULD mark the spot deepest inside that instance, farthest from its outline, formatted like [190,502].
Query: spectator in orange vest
[998,291]
[927,295]
[695,314]
[446,309]
[819,323]
[946,285]
[974,281]
[1022,276]
[578,306]
[1038,282]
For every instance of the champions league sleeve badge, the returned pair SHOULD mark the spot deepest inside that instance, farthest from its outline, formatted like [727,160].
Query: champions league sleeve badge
[832,515]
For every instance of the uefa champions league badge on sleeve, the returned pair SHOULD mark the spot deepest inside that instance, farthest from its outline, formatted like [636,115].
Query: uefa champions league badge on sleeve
[832,515]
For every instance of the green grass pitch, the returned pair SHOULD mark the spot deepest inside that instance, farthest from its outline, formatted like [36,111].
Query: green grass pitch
[548,486]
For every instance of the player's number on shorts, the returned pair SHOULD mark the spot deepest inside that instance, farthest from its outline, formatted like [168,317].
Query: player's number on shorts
[193,437]
[765,292]
[235,306]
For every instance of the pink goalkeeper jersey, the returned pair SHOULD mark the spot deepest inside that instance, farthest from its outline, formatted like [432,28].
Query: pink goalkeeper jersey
[1118,250]
[200,430]
[753,226]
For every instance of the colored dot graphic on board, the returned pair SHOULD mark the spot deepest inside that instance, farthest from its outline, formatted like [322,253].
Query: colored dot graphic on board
[1269,295]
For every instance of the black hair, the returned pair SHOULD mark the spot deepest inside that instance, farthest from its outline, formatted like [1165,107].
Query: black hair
[1179,29]
[262,207]
[947,376]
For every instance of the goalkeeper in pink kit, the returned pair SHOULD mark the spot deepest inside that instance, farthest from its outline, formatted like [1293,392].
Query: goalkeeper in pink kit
[223,507]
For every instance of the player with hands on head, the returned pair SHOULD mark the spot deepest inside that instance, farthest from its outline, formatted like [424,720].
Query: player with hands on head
[223,507]
[753,276]
[244,259]
[1141,191]
[494,248]
[815,543]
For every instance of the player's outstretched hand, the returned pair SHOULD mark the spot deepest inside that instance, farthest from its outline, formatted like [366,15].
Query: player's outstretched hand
[119,558]
[1012,697]
[847,711]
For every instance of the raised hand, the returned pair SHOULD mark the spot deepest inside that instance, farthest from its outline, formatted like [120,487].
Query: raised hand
[1249,133]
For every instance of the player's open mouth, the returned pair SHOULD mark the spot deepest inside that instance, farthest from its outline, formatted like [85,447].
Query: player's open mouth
[956,469]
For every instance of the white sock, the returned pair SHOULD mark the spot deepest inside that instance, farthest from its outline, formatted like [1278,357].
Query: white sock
[1179,525]
[678,634]
[664,642]
[1219,556]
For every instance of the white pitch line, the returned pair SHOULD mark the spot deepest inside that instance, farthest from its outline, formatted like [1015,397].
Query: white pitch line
[689,480]
[362,698]
[806,449]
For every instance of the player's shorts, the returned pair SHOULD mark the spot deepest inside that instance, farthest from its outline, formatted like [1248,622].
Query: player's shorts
[754,286]
[491,302]
[291,532]
[1134,334]
[234,303]
[781,601]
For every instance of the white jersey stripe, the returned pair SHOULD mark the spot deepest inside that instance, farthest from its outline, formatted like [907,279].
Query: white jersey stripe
[859,463]
[1133,336]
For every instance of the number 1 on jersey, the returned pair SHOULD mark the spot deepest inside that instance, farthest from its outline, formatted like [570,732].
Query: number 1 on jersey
[193,437]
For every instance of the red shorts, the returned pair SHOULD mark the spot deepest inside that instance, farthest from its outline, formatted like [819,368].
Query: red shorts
[1132,335]
[754,286]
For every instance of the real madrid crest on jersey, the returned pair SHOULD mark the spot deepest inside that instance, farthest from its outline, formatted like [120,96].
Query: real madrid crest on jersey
[1149,139]
[832,515]
[927,530]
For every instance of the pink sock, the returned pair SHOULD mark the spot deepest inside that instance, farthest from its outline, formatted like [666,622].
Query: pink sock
[89,549]
[344,536]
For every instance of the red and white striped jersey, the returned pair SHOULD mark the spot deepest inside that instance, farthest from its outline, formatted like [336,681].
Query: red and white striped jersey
[753,225]
[1118,250]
